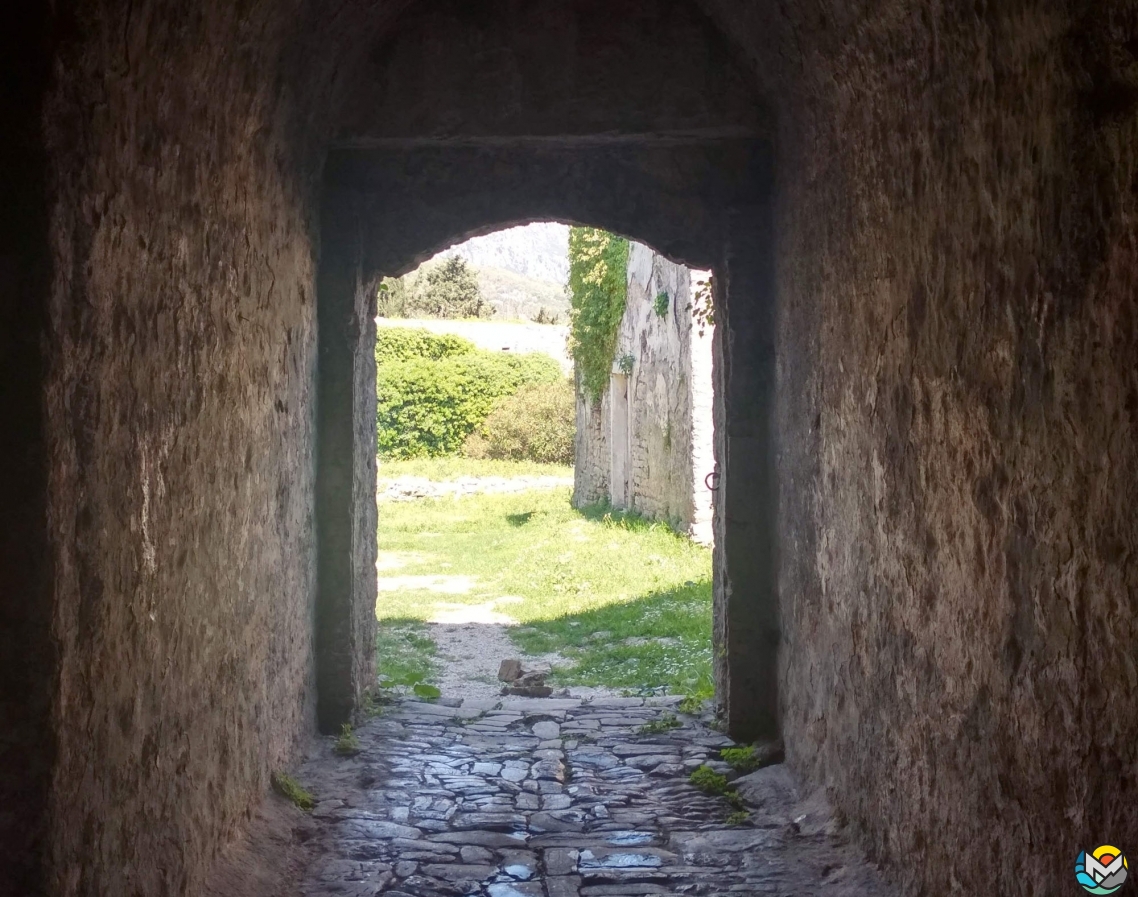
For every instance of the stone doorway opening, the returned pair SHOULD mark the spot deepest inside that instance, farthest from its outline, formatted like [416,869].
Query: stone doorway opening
[501,537]
[640,119]
[375,226]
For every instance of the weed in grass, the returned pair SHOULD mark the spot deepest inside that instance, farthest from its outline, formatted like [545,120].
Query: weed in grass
[347,745]
[455,466]
[665,723]
[425,692]
[405,656]
[375,701]
[289,788]
[739,817]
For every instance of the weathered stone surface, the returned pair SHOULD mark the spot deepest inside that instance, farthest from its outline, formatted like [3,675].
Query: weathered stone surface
[528,691]
[662,406]
[774,784]
[956,278]
[926,387]
[510,670]
[680,844]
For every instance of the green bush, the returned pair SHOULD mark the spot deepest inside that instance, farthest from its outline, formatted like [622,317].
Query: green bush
[535,424]
[429,407]
[406,343]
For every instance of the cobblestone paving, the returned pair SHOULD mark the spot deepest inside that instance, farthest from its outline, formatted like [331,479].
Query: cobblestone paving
[556,798]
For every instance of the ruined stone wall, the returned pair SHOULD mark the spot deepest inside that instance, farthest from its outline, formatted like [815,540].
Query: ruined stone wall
[669,416]
[591,462]
[660,388]
[957,269]
[703,464]
[180,386]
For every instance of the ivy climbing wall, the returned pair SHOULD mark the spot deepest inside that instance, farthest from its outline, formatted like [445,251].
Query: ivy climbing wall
[645,442]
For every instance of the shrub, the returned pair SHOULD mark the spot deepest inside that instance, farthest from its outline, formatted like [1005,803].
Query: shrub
[742,759]
[428,407]
[406,343]
[535,424]
[709,781]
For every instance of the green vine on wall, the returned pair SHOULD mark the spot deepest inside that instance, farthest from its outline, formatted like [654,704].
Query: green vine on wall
[598,286]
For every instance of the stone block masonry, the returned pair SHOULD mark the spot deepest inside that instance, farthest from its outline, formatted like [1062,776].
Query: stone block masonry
[647,444]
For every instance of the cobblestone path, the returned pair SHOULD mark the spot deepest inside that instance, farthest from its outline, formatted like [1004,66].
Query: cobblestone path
[558,798]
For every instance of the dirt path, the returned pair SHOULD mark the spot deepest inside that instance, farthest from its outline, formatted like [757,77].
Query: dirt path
[471,649]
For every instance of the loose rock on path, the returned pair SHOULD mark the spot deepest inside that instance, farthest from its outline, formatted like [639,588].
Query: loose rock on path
[558,798]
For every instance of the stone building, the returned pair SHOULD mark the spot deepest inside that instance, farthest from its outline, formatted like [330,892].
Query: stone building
[647,444]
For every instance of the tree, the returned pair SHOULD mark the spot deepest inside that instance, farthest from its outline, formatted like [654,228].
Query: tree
[448,289]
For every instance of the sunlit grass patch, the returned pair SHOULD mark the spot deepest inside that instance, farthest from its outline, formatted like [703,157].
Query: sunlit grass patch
[627,601]
[453,467]
[405,654]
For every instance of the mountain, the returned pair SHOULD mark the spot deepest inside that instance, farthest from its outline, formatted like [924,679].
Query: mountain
[515,296]
[537,251]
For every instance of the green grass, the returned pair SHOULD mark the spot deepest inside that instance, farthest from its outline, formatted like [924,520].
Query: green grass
[741,759]
[711,782]
[289,788]
[576,574]
[455,466]
[405,654]
[347,745]
[665,723]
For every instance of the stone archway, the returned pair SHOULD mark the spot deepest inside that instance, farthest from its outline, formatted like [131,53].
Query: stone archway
[703,202]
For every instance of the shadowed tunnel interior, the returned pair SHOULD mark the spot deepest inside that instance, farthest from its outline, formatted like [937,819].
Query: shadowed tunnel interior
[922,219]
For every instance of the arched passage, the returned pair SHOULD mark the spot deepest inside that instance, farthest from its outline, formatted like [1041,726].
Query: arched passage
[702,202]
[955,273]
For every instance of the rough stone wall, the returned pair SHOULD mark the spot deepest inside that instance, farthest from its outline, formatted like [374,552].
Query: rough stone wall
[703,463]
[660,454]
[670,404]
[452,71]
[592,464]
[660,388]
[180,388]
[957,270]
[27,658]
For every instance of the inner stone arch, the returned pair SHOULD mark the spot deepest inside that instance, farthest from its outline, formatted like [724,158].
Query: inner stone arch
[700,203]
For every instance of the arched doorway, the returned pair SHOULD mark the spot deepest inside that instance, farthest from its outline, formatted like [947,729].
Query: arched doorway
[388,208]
